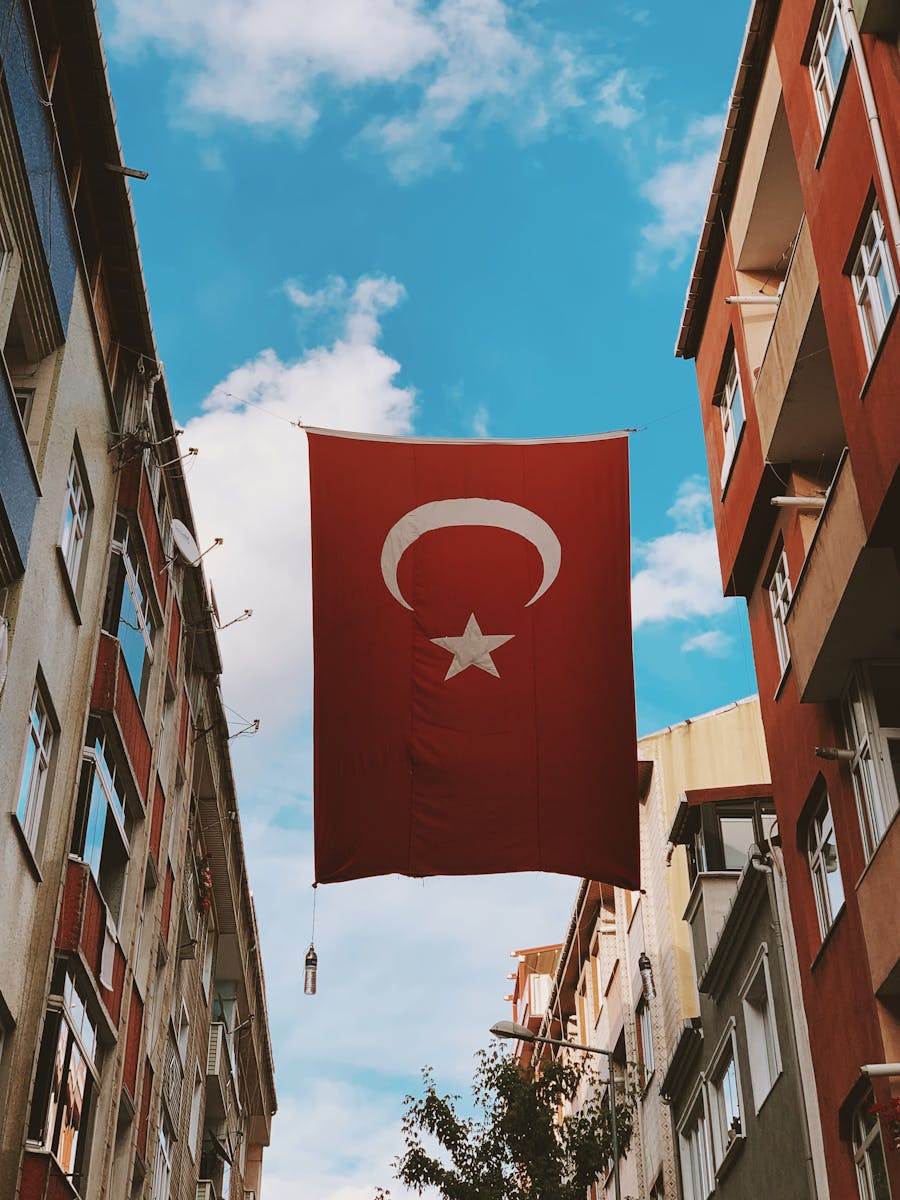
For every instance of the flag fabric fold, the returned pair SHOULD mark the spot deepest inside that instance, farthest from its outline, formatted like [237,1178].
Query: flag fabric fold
[474,693]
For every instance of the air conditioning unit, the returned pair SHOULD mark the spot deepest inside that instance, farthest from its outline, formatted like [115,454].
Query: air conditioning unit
[217,1051]
[206,1190]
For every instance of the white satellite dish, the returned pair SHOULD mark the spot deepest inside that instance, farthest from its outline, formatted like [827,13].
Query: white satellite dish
[186,546]
[4,650]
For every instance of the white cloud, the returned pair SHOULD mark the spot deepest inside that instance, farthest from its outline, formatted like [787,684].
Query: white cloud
[619,101]
[249,486]
[480,422]
[713,642]
[678,576]
[679,192]
[276,64]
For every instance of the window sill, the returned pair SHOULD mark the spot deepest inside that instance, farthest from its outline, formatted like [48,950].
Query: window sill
[763,1102]
[729,471]
[26,849]
[67,585]
[646,1088]
[730,1157]
[826,940]
[881,344]
[782,681]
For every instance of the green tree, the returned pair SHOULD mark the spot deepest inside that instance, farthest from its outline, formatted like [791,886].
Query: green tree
[527,1141]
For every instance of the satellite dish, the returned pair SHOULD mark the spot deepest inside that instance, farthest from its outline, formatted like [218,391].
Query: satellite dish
[214,607]
[187,548]
[4,650]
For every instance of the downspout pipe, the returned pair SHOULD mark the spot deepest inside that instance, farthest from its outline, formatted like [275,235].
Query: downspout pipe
[851,31]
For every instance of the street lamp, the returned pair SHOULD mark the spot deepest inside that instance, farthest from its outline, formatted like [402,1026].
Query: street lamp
[512,1029]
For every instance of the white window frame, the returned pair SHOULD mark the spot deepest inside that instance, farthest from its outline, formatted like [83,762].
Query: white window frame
[732,399]
[821,865]
[162,1165]
[871,268]
[867,1142]
[779,589]
[106,773]
[694,1148]
[36,760]
[873,779]
[824,81]
[142,606]
[726,1104]
[763,1049]
[196,1103]
[644,1020]
[75,517]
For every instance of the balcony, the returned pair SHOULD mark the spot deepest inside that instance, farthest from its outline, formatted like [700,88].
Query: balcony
[43,1179]
[82,929]
[795,398]
[113,695]
[846,599]
[19,491]
[707,908]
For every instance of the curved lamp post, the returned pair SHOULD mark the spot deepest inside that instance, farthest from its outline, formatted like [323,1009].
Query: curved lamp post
[512,1029]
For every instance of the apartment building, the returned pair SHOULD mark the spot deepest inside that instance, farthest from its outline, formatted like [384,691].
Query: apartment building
[135,1057]
[791,318]
[705,807]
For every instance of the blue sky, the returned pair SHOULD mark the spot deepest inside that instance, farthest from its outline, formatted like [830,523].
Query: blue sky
[462,218]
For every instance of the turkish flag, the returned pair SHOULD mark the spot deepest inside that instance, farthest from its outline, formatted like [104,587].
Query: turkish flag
[474,689]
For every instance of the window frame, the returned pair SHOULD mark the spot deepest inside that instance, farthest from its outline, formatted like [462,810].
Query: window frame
[132,579]
[723,1064]
[761,1027]
[76,519]
[870,263]
[67,1023]
[817,860]
[862,1141]
[780,592]
[874,787]
[824,85]
[104,774]
[40,742]
[696,1150]
[643,1020]
[731,390]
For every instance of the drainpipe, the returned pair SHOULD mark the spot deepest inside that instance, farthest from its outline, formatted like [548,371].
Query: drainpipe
[851,31]
[771,864]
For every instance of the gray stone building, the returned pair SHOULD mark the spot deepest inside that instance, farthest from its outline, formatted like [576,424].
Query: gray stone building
[736,1079]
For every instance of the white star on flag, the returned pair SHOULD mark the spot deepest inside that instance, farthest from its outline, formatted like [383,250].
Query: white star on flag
[473,649]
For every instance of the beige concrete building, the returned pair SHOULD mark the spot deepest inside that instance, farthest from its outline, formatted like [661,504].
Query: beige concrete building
[593,986]
[135,1058]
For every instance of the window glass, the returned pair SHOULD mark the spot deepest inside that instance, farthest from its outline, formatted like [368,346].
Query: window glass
[737,838]
[827,60]
[874,283]
[74,521]
[762,1036]
[103,823]
[825,867]
[129,614]
[726,1104]
[36,768]
[869,702]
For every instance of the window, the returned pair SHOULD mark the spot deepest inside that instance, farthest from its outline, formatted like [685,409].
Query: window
[780,599]
[184,1032]
[196,1101]
[103,821]
[36,768]
[74,521]
[129,615]
[731,410]
[737,838]
[874,284]
[658,1192]
[24,397]
[825,867]
[871,712]
[209,950]
[725,1102]
[162,1164]
[65,1084]
[827,60]
[644,1026]
[762,1035]
[868,1153]
[696,1167]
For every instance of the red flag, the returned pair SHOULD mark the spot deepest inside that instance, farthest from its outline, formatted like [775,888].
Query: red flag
[474,692]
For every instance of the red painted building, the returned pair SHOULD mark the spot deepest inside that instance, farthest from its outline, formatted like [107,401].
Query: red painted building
[792,319]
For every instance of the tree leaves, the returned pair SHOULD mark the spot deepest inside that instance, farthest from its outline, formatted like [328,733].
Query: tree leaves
[541,1136]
